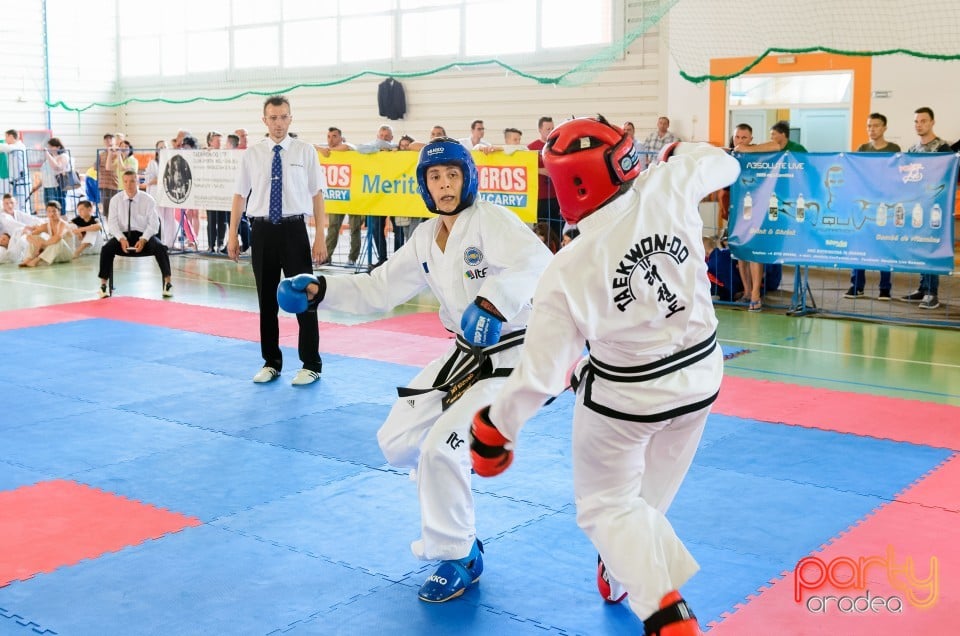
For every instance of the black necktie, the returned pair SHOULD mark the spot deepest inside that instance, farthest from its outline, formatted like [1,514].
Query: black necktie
[129,213]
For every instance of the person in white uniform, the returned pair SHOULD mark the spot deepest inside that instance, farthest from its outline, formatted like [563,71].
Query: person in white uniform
[633,288]
[482,263]
[52,242]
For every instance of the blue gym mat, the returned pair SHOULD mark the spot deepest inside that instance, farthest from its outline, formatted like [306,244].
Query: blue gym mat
[306,529]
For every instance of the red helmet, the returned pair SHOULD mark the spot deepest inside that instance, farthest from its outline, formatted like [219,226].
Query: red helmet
[589,161]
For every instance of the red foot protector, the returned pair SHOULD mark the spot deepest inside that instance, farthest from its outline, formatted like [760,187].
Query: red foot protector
[57,523]
[894,573]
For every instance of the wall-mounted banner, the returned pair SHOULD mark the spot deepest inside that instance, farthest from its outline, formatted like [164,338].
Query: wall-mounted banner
[864,210]
[197,179]
[385,183]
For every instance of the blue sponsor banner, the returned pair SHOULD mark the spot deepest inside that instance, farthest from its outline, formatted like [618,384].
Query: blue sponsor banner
[861,210]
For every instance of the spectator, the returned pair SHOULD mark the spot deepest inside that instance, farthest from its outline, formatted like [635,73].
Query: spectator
[16,153]
[335,143]
[511,143]
[151,179]
[107,180]
[376,225]
[133,232]
[547,236]
[476,136]
[189,219]
[568,236]
[86,229]
[927,292]
[241,134]
[56,162]
[779,142]
[217,220]
[659,138]
[548,209]
[124,159]
[876,127]
[233,143]
[49,242]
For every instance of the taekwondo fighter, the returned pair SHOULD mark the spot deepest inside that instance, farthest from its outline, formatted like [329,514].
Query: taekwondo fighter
[633,287]
[482,263]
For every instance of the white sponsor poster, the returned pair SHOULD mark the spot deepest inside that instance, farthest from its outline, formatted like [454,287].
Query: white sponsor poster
[197,179]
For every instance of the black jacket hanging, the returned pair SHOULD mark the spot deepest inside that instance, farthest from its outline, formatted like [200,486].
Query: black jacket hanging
[391,99]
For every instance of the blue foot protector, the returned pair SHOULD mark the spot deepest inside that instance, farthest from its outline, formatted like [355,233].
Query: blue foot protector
[452,578]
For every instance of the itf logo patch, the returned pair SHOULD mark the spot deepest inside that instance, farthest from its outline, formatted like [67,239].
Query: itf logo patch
[472,256]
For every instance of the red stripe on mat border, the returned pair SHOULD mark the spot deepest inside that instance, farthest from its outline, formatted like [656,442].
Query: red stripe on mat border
[416,339]
[913,526]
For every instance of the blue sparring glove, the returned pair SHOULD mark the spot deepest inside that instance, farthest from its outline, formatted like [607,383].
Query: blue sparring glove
[292,293]
[481,323]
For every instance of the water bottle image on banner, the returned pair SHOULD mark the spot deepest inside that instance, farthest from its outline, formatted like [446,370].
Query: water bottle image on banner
[773,213]
[899,215]
[882,214]
[916,217]
[747,207]
[936,216]
[801,209]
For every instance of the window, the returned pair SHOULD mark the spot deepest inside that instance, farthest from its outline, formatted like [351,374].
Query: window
[177,37]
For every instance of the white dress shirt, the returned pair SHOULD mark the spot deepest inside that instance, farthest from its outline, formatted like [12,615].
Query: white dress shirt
[138,214]
[303,177]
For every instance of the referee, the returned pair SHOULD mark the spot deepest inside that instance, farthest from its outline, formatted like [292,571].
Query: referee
[285,182]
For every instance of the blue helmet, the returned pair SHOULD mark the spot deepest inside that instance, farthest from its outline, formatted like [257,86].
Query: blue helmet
[444,151]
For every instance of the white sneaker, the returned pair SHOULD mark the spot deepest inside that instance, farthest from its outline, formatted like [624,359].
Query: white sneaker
[305,376]
[167,290]
[266,374]
[103,292]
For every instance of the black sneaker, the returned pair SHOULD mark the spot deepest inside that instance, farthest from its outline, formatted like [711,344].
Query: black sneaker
[929,302]
[103,291]
[915,297]
[884,294]
[853,293]
[167,290]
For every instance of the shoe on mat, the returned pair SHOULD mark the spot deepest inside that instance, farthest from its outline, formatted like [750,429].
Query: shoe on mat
[452,578]
[304,377]
[266,374]
[610,589]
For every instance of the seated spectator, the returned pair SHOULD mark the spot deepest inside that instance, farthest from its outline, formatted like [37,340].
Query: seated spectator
[568,236]
[86,229]
[133,229]
[49,242]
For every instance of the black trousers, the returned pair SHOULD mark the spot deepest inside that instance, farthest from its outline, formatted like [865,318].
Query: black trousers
[217,223]
[276,251]
[153,248]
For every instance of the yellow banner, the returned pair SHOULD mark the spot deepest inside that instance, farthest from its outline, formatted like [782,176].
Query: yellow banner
[385,183]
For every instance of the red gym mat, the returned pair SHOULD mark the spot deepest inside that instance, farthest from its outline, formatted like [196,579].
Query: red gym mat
[904,536]
[57,523]
[860,414]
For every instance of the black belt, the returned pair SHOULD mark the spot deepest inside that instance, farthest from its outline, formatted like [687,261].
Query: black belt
[466,367]
[293,218]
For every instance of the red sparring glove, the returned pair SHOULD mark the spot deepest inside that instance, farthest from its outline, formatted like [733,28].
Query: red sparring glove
[667,151]
[488,452]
